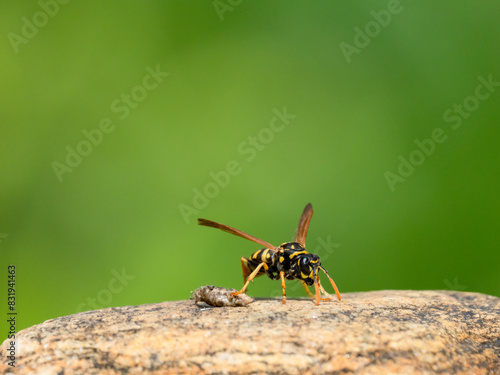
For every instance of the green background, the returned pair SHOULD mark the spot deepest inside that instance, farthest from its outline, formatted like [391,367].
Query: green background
[119,209]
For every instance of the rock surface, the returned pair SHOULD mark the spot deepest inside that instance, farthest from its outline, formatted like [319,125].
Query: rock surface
[384,332]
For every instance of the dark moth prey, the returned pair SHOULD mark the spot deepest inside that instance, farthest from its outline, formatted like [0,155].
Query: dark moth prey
[288,261]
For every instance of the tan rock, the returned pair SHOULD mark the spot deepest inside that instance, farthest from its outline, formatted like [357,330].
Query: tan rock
[385,332]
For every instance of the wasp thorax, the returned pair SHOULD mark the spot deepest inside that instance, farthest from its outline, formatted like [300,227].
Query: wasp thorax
[295,246]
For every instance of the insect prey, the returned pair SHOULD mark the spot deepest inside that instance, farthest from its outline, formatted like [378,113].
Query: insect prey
[218,297]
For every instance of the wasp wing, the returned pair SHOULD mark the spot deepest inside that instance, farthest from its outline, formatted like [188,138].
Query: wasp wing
[236,232]
[304,221]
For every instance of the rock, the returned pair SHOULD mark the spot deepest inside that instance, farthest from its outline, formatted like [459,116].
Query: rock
[384,332]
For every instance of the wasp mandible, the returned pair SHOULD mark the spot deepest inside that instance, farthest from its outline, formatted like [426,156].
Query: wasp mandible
[288,261]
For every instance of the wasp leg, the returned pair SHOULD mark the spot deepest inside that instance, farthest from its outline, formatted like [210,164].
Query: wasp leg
[323,291]
[251,277]
[245,269]
[283,286]
[312,295]
[332,282]
[307,289]
[316,288]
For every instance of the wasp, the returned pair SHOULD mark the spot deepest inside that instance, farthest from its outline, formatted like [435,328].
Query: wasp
[289,261]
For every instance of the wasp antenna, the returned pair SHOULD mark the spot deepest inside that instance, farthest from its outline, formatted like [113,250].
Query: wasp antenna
[332,282]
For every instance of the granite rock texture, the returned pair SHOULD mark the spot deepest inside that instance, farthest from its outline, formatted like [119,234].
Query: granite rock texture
[383,332]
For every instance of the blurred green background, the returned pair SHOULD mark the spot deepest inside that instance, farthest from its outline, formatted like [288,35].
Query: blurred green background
[112,231]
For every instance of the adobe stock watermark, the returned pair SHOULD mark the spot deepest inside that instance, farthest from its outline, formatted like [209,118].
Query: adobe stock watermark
[249,150]
[363,36]
[324,250]
[32,25]
[104,297]
[453,116]
[455,285]
[122,107]
[223,6]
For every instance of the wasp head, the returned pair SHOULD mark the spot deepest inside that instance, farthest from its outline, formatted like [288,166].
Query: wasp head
[307,267]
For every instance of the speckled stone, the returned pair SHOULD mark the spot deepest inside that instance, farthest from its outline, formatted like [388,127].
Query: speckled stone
[384,332]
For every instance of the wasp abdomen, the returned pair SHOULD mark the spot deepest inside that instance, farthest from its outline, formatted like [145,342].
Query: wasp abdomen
[263,255]
[266,256]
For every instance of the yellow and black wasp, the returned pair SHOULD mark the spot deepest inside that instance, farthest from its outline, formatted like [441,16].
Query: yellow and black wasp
[288,261]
